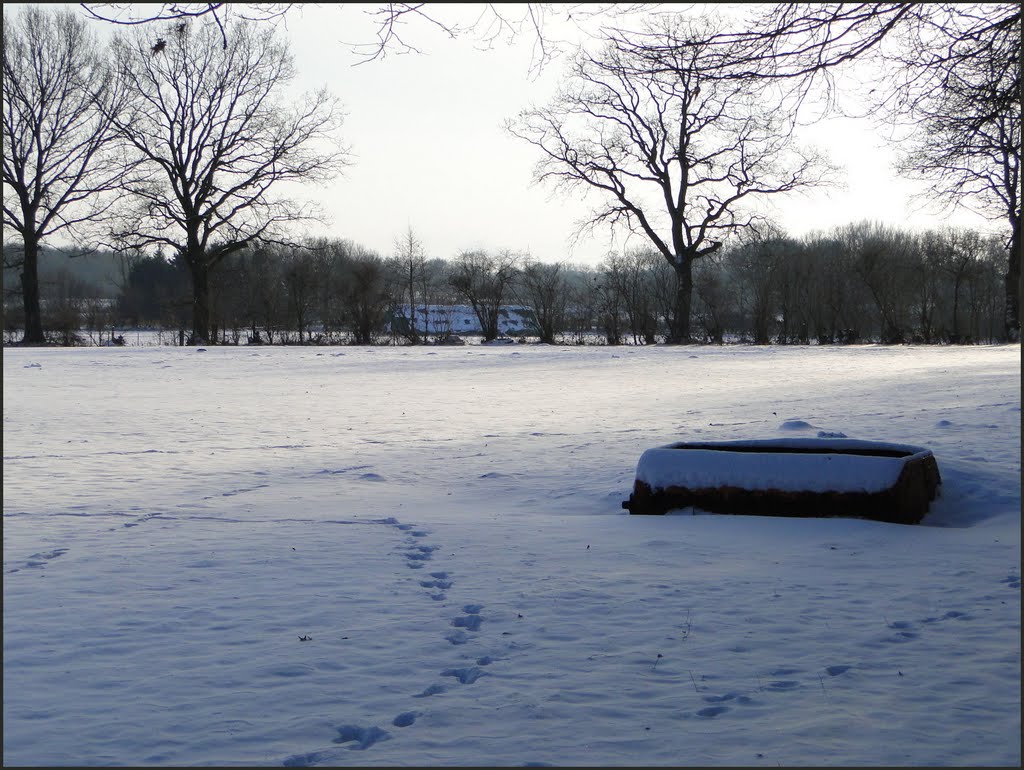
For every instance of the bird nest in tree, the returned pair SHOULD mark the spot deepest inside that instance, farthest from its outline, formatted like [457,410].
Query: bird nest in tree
[788,477]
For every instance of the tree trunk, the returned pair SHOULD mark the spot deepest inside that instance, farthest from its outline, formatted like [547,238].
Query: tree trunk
[760,320]
[414,333]
[488,317]
[30,293]
[200,302]
[1013,286]
[679,330]
[956,308]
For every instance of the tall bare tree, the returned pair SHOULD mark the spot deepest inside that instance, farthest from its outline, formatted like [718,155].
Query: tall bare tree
[673,154]
[410,264]
[302,279]
[883,258]
[542,287]
[964,138]
[59,160]
[947,73]
[366,295]
[485,281]
[217,143]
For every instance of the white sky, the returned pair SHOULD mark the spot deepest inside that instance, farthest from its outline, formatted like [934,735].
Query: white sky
[431,152]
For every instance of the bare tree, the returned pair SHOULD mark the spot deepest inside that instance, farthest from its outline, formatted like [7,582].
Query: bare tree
[642,299]
[301,279]
[835,301]
[438,297]
[488,23]
[217,144]
[673,154]
[367,294]
[965,253]
[583,298]
[542,287]
[948,74]
[965,139]
[410,264]
[632,277]
[607,286]
[264,284]
[882,257]
[712,299]
[484,281]
[133,14]
[756,268]
[58,163]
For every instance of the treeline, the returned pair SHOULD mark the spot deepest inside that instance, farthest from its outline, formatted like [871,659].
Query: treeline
[864,282]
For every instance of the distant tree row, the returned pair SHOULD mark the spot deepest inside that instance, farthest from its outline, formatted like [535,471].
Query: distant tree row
[865,282]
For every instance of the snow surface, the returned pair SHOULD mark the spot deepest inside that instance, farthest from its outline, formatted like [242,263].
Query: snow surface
[417,556]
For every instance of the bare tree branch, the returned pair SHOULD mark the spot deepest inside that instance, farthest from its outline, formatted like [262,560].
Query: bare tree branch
[134,14]
[672,152]
[217,146]
[59,164]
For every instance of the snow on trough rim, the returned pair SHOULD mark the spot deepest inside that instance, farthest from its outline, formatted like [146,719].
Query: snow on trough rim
[826,469]
[370,556]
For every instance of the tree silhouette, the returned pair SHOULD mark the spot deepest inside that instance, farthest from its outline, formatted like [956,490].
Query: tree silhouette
[672,153]
[57,161]
[216,143]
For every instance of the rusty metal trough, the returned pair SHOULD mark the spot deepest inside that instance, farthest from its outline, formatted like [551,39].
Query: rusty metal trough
[803,477]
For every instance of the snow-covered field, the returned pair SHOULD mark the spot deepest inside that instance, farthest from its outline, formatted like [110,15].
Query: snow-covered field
[398,556]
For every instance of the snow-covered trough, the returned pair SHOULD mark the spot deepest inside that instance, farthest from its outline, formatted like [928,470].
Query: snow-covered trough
[808,477]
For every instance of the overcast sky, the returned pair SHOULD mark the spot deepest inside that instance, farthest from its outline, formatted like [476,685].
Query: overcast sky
[430,150]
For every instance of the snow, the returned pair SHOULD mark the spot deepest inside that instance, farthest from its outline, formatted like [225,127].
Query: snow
[417,556]
[825,470]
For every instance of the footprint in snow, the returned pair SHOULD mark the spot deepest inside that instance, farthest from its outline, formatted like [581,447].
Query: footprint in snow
[951,615]
[436,583]
[464,675]
[469,622]
[416,556]
[434,689]
[712,711]
[404,719]
[727,697]
[364,737]
[40,559]
[785,684]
